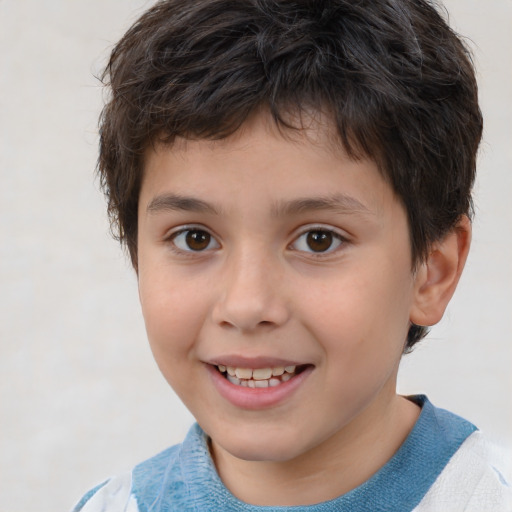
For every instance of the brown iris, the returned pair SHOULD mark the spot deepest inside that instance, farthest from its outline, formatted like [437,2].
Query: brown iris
[319,241]
[197,240]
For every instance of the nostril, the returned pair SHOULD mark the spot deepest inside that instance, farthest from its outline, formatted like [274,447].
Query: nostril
[227,324]
[231,325]
[249,312]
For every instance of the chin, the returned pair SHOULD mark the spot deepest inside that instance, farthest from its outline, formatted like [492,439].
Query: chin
[260,452]
[258,445]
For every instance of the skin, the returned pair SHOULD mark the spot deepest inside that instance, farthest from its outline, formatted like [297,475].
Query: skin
[258,290]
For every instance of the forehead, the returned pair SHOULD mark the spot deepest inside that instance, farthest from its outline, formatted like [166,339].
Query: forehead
[308,127]
[266,162]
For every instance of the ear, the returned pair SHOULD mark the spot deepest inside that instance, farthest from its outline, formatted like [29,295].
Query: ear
[437,277]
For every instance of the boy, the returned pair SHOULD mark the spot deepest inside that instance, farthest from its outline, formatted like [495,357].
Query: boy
[293,183]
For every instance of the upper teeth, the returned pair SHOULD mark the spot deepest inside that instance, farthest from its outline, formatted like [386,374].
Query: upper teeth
[257,373]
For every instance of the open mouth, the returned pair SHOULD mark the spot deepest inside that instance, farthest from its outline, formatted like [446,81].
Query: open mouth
[260,377]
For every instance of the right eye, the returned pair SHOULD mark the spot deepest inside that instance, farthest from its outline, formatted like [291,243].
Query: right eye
[318,241]
[194,240]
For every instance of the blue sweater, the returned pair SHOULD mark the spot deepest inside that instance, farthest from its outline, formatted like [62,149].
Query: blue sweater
[183,478]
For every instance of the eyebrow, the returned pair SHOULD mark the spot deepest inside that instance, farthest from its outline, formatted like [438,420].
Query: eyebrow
[339,203]
[175,202]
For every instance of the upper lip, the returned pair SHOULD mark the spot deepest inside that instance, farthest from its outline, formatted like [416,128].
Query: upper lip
[252,362]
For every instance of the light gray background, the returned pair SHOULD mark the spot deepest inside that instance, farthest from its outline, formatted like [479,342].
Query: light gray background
[80,396]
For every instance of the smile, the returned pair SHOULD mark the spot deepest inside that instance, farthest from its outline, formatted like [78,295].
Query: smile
[257,385]
[259,377]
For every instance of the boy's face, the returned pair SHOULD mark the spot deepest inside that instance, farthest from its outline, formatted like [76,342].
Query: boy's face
[269,251]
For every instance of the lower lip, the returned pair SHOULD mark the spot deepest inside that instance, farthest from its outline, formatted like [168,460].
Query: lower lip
[256,398]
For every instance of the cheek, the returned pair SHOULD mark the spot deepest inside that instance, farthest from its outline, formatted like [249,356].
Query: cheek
[362,321]
[172,319]
[172,314]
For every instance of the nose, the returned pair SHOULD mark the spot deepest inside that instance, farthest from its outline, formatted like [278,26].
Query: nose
[251,294]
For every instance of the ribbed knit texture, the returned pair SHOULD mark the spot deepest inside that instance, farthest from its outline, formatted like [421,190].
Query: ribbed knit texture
[183,478]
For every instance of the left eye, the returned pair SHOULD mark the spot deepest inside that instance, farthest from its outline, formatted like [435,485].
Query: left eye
[318,241]
[195,240]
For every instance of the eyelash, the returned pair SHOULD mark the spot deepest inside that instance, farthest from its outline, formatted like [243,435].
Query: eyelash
[336,239]
[191,229]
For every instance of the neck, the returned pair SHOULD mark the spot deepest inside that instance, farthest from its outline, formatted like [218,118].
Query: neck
[341,463]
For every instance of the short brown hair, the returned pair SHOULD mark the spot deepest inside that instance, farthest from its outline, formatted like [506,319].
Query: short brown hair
[397,81]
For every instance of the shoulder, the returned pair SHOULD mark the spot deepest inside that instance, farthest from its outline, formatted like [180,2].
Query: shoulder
[471,481]
[113,495]
[121,493]
[162,482]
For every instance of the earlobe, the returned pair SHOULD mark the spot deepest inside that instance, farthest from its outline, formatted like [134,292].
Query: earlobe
[437,277]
